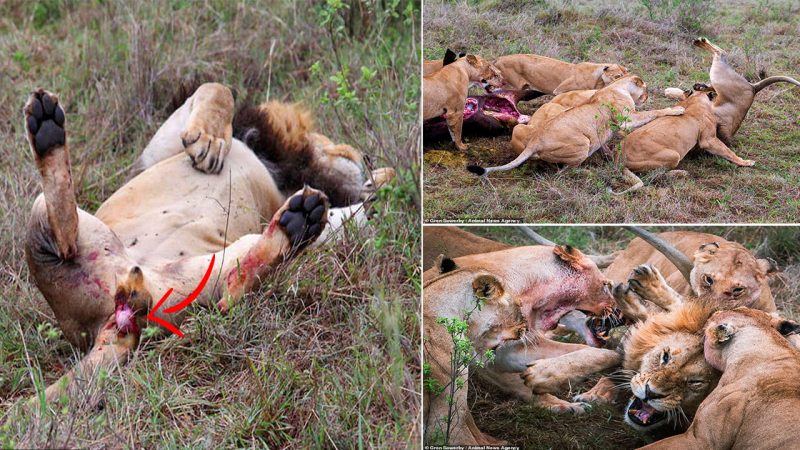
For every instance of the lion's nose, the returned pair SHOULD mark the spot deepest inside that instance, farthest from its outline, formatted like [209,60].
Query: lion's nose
[650,395]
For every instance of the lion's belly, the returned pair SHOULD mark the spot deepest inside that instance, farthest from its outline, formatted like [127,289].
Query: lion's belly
[172,210]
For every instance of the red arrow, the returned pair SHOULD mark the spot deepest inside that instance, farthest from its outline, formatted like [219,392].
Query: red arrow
[183,304]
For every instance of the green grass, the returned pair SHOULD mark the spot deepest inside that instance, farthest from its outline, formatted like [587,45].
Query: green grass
[602,427]
[757,36]
[326,353]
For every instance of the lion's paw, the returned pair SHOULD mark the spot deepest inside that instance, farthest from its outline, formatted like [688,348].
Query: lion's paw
[44,120]
[206,148]
[602,392]
[303,216]
[556,405]
[675,111]
[646,282]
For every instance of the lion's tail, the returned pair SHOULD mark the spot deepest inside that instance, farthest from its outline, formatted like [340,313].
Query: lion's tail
[776,79]
[524,156]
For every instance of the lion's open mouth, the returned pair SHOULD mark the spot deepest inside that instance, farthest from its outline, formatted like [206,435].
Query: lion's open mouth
[601,325]
[642,414]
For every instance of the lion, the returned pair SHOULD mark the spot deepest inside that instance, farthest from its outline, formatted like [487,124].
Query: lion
[554,281]
[455,242]
[167,226]
[735,94]
[572,136]
[523,133]
[670,376]
[552,76]
[665,141]
[757,397]
[444,92]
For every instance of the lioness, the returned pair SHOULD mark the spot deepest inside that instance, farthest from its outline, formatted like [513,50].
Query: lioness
[734,93]
[450,291]
[756,400]
[523,133]
[665,141]
[552,76]
[573,135]
[545,283]
[102,273]
[723,272]
[445,91]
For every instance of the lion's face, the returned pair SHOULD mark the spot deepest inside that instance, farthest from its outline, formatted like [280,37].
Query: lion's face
[480,297]
[671,376]
[638,90]
[672,380]
[484,72]
[612,73]
[729,275]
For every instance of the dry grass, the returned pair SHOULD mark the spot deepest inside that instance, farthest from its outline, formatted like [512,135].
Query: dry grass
[758,35]
[602,427]
[326,354]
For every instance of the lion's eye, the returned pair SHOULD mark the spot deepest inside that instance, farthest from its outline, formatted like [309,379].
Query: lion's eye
[665,357]
[696,384]
[708,280]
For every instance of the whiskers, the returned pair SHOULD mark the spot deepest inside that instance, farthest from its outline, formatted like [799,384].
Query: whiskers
[677,417]
[622,378]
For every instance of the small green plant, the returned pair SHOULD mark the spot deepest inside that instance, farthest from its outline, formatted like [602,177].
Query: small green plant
[462,357]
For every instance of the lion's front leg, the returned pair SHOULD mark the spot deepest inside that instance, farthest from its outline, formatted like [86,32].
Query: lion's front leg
[202,127]
[207,136]
[637,119]
[294,226]
[629,303]
[550,375]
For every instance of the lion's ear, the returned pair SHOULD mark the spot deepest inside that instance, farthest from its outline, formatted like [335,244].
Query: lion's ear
[768,265]
[445,264]
[571,255]
[472,60]
[705,252]
[462,54]
[723,333]
[449,56]
[787,327]
[488,288]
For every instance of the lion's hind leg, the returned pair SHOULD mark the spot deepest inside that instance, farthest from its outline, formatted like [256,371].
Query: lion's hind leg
[44,120]
[111,350]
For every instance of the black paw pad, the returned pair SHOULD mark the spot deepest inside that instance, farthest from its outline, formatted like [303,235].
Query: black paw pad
[46,123]
[303,221]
